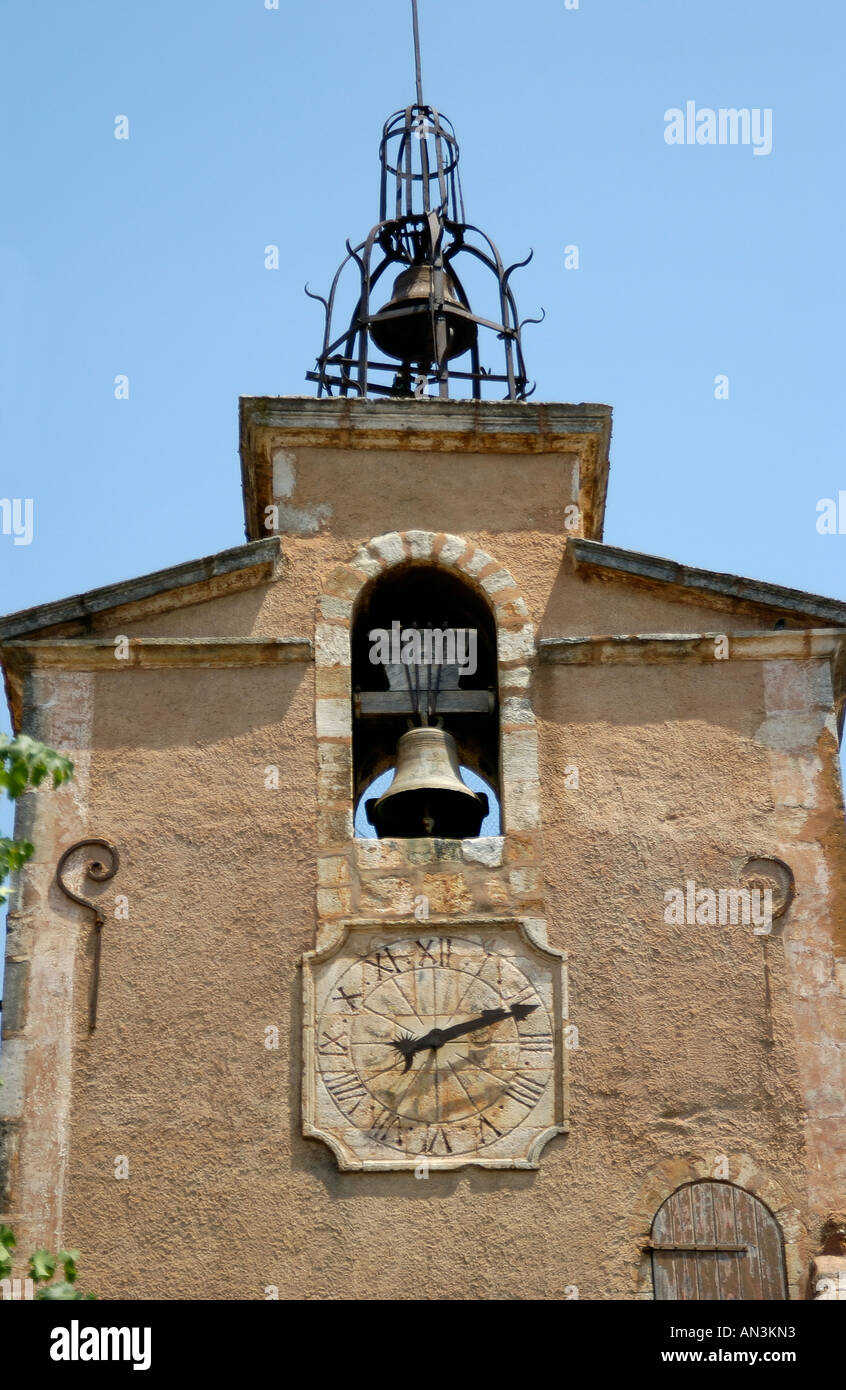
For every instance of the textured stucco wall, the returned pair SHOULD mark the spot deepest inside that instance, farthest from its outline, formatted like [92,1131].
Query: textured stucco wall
[223,1197]
[675,1056]
[684,769]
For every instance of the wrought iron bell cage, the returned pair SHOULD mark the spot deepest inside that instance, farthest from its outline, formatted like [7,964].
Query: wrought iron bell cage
[408,347]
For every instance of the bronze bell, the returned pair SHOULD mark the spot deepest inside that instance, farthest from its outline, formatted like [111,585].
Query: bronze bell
[427,796]
[409,334]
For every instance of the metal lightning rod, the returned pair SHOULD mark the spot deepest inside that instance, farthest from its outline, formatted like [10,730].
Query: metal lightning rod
[417,63]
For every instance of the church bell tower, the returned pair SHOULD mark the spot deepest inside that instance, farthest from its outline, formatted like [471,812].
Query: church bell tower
[485,882]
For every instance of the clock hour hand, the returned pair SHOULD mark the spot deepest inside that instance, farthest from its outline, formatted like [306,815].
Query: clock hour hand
[436,1037]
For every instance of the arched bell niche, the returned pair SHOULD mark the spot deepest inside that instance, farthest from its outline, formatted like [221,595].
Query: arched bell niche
[504,751]
[424,654]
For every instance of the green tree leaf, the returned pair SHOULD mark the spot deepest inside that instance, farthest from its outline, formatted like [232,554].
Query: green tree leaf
[42,1266]
[24,762]
[61,1292]
[68,1259]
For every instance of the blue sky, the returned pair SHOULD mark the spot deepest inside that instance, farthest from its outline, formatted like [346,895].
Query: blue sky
[252,126]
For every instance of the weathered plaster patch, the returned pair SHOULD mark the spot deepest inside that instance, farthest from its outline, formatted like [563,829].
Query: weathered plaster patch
[790,731]
[284,473]
[304,521]
[12,1067]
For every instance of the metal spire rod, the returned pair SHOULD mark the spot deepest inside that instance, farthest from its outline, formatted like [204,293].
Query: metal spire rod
[417,63]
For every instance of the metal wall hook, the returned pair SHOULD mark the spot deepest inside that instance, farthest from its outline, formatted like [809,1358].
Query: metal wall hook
[98,872]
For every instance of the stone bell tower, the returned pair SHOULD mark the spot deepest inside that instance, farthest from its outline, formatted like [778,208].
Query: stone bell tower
[588,1046]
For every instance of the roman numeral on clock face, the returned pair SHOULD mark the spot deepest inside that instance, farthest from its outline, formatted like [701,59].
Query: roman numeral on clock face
[434,951]
[343,997]
[385,1122]
[345,1088]
[487,1130]
[383,962]
[433,1138]
[526,1090]
[535,1042]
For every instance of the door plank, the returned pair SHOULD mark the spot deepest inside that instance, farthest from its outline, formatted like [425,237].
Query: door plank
[705,1226]
[746,1224]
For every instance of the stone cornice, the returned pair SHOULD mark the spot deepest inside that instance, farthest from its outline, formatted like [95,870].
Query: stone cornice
[479,427]
[149,652]
[143,653]
[195,581]
[648,648]
[542,427]
[709,588]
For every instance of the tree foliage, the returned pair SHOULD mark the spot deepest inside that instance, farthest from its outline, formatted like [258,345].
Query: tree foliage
[41,1268]
[25,763]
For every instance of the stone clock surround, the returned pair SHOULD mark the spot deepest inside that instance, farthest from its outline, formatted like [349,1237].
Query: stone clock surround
[349,1133]
[386,877]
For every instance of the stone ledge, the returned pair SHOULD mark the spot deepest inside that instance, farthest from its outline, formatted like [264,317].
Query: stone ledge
[539,427]
[811,644]
[99,654]
[729,591]
[374,854]
[229,571]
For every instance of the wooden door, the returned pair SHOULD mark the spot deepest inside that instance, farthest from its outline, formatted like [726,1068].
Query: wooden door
[711,1240]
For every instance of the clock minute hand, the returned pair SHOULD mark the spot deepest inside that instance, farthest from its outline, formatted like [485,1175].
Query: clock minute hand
[486,1018]
[436,1037]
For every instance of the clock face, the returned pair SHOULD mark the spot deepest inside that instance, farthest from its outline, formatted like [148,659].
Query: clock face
[439,1045]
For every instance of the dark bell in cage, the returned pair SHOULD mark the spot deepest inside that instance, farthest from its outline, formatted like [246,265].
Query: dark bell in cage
[424,239]
[406,328]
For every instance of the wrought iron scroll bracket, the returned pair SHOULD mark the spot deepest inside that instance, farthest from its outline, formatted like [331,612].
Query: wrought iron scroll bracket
[98,872]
